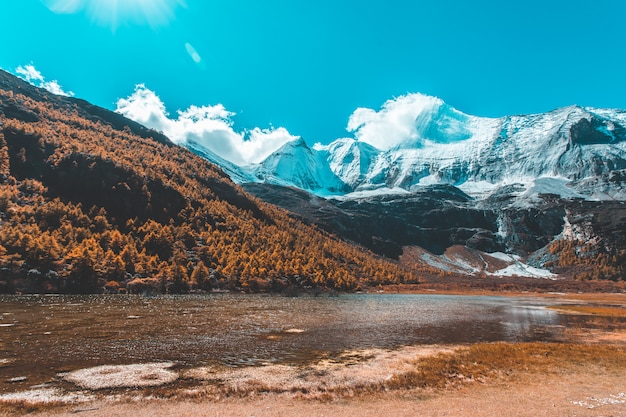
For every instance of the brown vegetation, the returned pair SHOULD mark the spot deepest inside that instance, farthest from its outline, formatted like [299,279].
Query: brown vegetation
[85,207]
[485,361]
[589,260]
[594,310]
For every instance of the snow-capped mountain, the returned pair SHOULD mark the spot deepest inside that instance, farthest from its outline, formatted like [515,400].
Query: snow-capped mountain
[296,164]
[463,194]
[478,155]
[349,159]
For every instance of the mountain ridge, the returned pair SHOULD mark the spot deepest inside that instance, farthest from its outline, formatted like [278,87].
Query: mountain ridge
[479,155]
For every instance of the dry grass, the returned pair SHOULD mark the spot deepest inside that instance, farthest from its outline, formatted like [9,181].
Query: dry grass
[488,361]
[608,311]
[10,408]
[379,371]
[413,371]
[349,374]
[37,400]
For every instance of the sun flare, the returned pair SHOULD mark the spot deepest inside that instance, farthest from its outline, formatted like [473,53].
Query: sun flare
[115,13]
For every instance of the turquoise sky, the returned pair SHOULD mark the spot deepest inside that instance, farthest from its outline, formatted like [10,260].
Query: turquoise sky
[307,65]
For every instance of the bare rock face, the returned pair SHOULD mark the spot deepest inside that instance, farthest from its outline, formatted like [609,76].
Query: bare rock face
[583,133]
[435,219]
[440,217]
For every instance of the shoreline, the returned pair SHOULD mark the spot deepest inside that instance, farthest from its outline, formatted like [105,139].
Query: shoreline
[584,379]
[358,382]
[447,285]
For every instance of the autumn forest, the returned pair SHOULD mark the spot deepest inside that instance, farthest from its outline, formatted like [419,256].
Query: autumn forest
[88,205]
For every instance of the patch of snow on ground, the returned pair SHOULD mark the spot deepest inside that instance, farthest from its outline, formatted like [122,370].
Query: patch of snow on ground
[371,193]
[548,185]
[522,270]
[45,396]
[502,256]
[435,262]
[118,376]
[479,189]
[463,264]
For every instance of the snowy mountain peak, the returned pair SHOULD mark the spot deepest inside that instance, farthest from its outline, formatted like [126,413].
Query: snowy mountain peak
[294,146]
[418,140]
[441,124]
[350,160]
[295,164]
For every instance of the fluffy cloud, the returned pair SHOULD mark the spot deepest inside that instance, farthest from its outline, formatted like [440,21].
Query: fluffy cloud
[396,122]
[210,126]
[32,75]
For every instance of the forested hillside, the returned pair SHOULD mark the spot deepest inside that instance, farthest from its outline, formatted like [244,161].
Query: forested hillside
[92,202]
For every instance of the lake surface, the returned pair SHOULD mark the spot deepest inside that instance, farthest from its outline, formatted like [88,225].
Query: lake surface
[41,336]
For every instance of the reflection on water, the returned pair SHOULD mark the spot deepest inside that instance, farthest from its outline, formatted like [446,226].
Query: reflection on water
[43,335]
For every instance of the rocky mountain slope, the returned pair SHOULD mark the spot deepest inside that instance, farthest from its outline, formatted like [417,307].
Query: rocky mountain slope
[554,237]
[91,201]
[546,191]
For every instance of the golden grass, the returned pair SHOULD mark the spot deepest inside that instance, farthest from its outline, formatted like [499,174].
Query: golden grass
[42,399]
[609,311]
[25,407]
[22,408]
[407,369]
[488,361]
[351,373]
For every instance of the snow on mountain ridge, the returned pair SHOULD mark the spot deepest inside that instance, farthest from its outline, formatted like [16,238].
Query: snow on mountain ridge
[571,142]
[295,164]
[424,141]
[349,159]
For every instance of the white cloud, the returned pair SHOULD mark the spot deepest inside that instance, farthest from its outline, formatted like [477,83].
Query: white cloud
[32,75]
[396,122]
[29,73]
[266,141]
[211,126]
